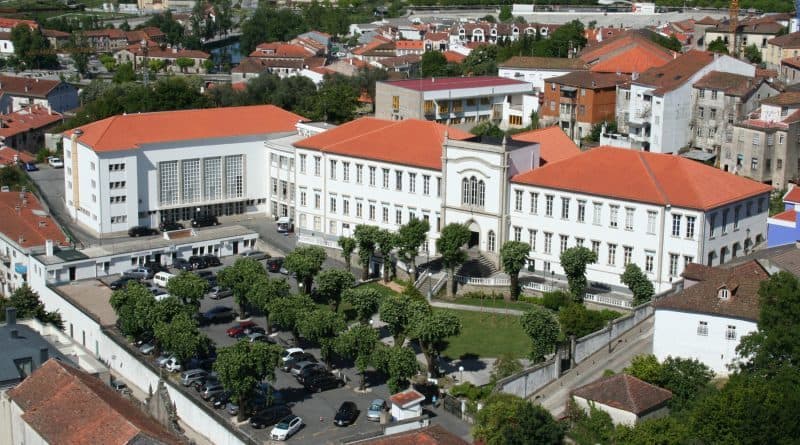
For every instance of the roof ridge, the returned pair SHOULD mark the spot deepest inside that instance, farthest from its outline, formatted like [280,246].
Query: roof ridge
[626,378]
[653,178]
[390,124]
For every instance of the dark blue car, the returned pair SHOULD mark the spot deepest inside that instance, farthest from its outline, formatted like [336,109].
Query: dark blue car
[30,167]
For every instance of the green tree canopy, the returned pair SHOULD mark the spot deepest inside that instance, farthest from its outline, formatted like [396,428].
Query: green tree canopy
[430,328]
[386,242]
[181,337]
[240,278]
[322,327]
[482,61]
[29,305]
[287,312]
[331,284]
[637,282]
[450,245]
[134,305]
[399,363]
[685,378]
[433,64]
[189,287]
[509,420]
[305,262]
[574,261]
[575,319]
[264,291]
[364,300]
[242,366]
[542,328]
[32,48]
[398,311]
[366,239]
[348,246]
[358,344]
[718,46]
[410,237]
[513,255]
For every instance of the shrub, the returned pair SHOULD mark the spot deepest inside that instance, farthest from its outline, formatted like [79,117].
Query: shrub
[532,300]
[42,155]
[470,391]
[478,295]
[556,300]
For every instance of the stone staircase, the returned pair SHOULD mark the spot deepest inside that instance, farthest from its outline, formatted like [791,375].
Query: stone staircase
[477,265]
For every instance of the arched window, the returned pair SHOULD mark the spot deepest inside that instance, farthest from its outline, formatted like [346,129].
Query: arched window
[481,193]
[473,186]
[490,241]
[465,191]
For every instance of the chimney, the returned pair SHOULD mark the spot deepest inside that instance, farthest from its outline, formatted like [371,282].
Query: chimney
[11,316]
[44,354]
[48,247]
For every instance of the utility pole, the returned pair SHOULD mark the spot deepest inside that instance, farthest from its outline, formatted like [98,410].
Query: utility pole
[145,68]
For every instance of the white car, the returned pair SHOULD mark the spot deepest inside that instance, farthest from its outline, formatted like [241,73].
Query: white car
[173,365]
[55,162]
[286,427]
[290,353]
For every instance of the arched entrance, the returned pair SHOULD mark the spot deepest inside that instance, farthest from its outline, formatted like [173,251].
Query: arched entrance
[475,235]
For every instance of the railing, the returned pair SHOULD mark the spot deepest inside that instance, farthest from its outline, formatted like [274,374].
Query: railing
[423,274]
[439,285]
[486,281]
[541,287]
[608,301]
[318,241]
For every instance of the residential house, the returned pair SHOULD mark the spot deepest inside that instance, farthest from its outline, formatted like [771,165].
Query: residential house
[654,111]
[57,39]
[409,47]
[629,52]
[748,32]
[626,399]
[700,28]
[780,48]
[457,101]
[764,146]
[706,321]
[719,101]
[376,50]
[17,93]
[285,59]
[436,41]
[538,69]
[139,55]
[790,70]
[578,101]
[106,40]
[7,24]
[783,227]
[24,129]
[401,64]
[320,37]
[486,32]
[150,33]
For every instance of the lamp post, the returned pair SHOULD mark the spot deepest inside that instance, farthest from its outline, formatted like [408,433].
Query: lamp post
[461,374]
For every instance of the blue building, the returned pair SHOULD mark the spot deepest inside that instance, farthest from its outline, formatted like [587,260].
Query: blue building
[784,228]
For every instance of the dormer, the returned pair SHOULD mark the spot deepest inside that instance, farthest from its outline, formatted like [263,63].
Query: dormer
[723,293]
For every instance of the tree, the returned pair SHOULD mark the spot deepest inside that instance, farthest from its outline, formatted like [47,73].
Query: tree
[189,287]
[576,320]
[449,245]
[513,256]
[668,430]
[348,246]
[637,282]
[364,300]
[287,313]
[482,61]
[594,427]
[487,128]
[108,61]
[410,238]
[134,305]
[433,64]
[156,65]
[556,299]
[685,378]
[240,278]
[124,73]
[331,284]
[336,100]
[244,365]
[269,24]
[181,337]
[671,43]
[542,328]
[264,291]
[77,46]
[172,30]
[365,237]
[184,63]
[506,365]
[28,305]
[397,311]
[166,309]
[305,262]
[429,328]
[358,344]
[322,327]
[386,241]
[598,128]
[32,48]
[399,363]
[505,14]
[509,420]
[645,367]
[574,261]
[718,46]
[752,53]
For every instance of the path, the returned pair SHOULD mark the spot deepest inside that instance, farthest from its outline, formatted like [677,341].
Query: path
[466,307]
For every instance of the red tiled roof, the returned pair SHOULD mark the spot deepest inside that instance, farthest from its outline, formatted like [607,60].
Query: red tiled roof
[634,60]
[454,83]
[374,43]
[55,33]
[280,50]
[707,20]
[731,84]
[742,282]
[644,177]
[792,195]
[35,87]
[7,22]
[787,41]
[643,53]
[29,227]
[675,73]
[437,36]
[432,435]
[10,156]
[788,98]
[408,44]
[625,392]
[27,119]
[131,131]
[548,63]
[788,215]
[67,406]
[554,144]
[407,398]
[453,57]
[793,62]
[409,142]
[590,79]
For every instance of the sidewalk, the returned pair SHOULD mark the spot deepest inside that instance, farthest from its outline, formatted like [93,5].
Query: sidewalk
[467,307]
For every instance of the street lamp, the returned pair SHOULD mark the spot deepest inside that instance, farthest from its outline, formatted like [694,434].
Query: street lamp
[461,374]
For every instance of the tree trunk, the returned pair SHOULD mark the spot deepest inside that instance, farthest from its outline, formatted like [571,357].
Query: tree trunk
[451,282]
[399,339]
[386,266]
[242,312]
[267,327]
[295,337]
[514,291]
[242,416]
[365,270]
[308,282]
[413,261]
[426,351]
[347,262]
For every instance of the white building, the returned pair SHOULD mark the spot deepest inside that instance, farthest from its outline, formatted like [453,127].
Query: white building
[536,70]
[660,212]
[707,320]
[655,111]
[625,398]
[406,405]
[142,169]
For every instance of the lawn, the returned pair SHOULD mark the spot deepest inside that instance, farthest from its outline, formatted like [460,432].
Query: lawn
[487,335]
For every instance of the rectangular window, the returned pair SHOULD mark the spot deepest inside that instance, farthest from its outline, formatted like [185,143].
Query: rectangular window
[190,172]
[548,210]
[333,169]
[532,239]
[736,212]
[629,218]
[333,204]
[673,265]
[372,176]
[372,212]
[613,216]
[386,178]
[212,179]
[687,260]
[649,257]
[702,328]
[317,201]
[438,187]
[359,173]
[396,103]
[730,333]
[534,203]
[385,214]
[398,183]
[597,208]
[579,242]
[581,211]
[234,176]
[346,171]
[596,248]
[317,165]
[359,210]
[564,208]
[564,239]
[517,233]
[302,163]
[346,207]
[725,221]
[412,183]
[627,255]
[168,182]
[428,107]
[548,242]
[712,223]
[676,225]
[612,254]
[426,185]
[518,200]
[398,216]
[690,227]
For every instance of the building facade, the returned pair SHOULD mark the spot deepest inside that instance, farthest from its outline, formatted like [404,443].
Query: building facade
[22,92]
[537,70]
[781,48]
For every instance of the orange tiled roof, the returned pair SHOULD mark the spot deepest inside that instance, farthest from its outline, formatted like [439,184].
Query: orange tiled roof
[675,73]
[788,215]
[67,406]
[10,156]
[634,60]
[408,44]
[27,119]
[554,144]
[411,142]
[432,435]
[654,178]
[279,49]
[625,392]
[436,36]
[793,195]
[30,226]
[131,131]
[28,87]
[453,57]
[622,43]
[7,22]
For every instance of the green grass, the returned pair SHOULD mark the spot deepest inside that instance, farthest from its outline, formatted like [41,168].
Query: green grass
[487,335]
[385,291]
[492,302]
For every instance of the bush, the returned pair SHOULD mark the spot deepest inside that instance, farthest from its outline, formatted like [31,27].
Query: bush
[506,365]
[532,300]
[42,155]
[556,300]
[478,295]
[469,391]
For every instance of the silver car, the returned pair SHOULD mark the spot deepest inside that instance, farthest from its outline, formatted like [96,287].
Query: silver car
[162,359]
[192,375]
[298,368]
[140,273]
[376,408]
[218,293]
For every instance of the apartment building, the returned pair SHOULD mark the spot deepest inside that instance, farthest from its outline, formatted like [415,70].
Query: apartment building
[537,70]
[790,70]
[754,32]
[719,101]
[17,93]
[780,48]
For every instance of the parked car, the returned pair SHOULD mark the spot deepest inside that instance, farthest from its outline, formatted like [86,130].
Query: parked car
[197,262]
[286,427]
[162,278]
[260,337]
[30,167]
[170,226]
[120,386]
[211,260]
[192,375]
[346,414]
[158,292]
[205,220]
[269,416]
[122,282]
[161,360]
[55,162]
[181,264]
[239,328]
[304,357]
[311,373]
[255,254]
[376,408]
[299,367]
[201,363]
[140,273]
[200,384]
[221,400]
[147,348]
[206,274]
[219,292]
[285,225]
[274,264]
[290,353]
[322,382]
[155,266]
[141,231]
[173,364]
[211,389]
[254,330]
[217,314]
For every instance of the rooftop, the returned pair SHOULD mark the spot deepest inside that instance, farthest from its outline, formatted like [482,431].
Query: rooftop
[455,83]
[91,295]
[26,344]
[27,87]
[792,195]
[26,119]
[742,283]
[432,435]
[590,80]
[279,49]
[67,406]
[654,178]
[784,99]
[731,84]
[9,155]
[407,398]
[627,52]
[787,41]
[546,63]
[133,131]
[24,222]
[625,392]
[411,142]
[675,73]
[554,144]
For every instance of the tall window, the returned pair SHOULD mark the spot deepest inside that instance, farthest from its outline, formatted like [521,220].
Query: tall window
[490,241]
[649,259]
[534,203]
[168,182]
[736,212]
[532,239]
[302,163]
[346,207]
[346,171]
[372,212]
[629,218]
[725,221]
[359,209]
[412,182]
[548,209]
[702,328]
[676,225]
[473,192]
[673,265]
[386,178]
[426,185]
[613,216]
[581,211]
[372,175]
[730,333]
[627,255]
[517,233]
[712,220]
[398,183]
[333,204]
[398,216]
[234,176]
[548,242]
[317,165]
[190,172]
[359,173]
[564,208]
[518,200]
[465,191]
[212,179]
[597,208]
[563,239]
[690,227]
[385,214]
[333,169]
[612,254]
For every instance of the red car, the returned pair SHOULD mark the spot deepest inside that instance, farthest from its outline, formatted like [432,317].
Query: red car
[239,329]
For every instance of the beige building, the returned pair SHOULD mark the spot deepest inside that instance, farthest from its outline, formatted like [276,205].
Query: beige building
[781,48]
[752,33]
[790,70]
[137,54]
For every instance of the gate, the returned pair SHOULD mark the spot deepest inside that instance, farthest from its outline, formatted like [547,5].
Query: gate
[452,405]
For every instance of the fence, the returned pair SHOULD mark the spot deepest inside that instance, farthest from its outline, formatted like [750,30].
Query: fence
[540,287]
[608,300]
[483,281]
[530,380]
[318,241]
[439,285]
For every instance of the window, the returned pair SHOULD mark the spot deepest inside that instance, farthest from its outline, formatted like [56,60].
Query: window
[702,328]
[386,178]
[548,209]
[613,215]
[438,187]
[629,218]
[444,107]
[517,233]
[473,192]
[396,103]
[385,214]
[702,92]
[581,211]
[515,120]
[701,111]
[428,106]
[359,209]
[346,207]
[730,333]
[302,163]
[190,172]
[736,212]
[398,216]
[627,255]
[532,239]
[673,265]
[359,173]
[596,248]
[690,227]
[518,200]
[725,221]
[490,241]
[426,185]
[597,208]
[317,165]
[303,201]
[168,182]
[317,201]
[274,186]
[212,179]
[564,239]
[346,171]
[564,208]
[534,202]
[648,261]
[754,163]
[548,242]
[687,260]
[713,96]
[372,176]
[712,223]
[713,111]
[412,183]
[372,212]
[612,254]
[333,204]
[398,183]
[676,225]
[579,242]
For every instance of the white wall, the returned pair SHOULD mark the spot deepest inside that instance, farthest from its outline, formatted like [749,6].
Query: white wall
[13,429]
[618,416]
[535,76]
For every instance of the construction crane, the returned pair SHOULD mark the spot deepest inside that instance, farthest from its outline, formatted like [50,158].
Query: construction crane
[733,12]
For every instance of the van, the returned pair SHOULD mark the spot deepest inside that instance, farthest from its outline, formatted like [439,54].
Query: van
[285,225]
[162,278]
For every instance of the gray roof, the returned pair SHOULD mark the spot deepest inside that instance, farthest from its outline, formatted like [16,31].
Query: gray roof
[27,344]
[785,257]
